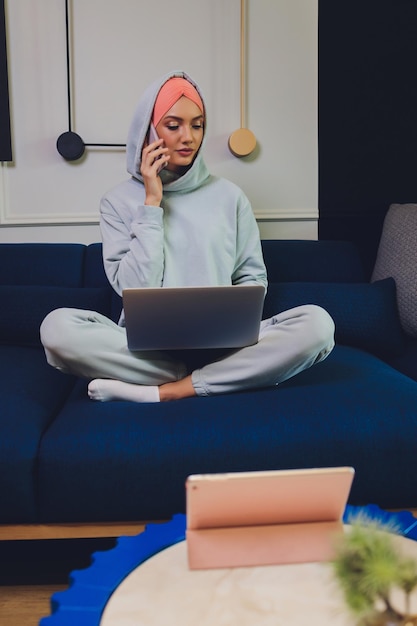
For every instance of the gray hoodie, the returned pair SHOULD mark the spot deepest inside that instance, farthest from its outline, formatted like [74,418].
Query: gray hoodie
[204,232]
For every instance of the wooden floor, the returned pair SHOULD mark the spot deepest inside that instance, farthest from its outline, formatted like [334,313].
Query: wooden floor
[24,605]
[35,562]
[32,571]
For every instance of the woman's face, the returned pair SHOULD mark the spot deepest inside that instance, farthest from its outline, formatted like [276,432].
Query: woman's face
[182,129]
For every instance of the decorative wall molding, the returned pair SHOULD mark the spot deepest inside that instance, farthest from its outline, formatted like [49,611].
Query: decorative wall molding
[8,218]
[287,215]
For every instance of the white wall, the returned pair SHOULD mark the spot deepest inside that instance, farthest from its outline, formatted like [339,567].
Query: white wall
[118,48]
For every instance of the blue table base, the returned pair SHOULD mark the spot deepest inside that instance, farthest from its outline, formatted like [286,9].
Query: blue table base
[90,589]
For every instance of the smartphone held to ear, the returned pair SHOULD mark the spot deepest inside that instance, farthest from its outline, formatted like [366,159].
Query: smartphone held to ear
[153,136]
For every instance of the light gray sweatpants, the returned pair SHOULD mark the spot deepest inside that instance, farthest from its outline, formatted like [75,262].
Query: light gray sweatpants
[88,344]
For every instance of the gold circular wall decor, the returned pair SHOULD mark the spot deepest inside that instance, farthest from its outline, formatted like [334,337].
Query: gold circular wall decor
[242,141]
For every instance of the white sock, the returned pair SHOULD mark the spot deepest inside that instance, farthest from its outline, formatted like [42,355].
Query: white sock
[104,390]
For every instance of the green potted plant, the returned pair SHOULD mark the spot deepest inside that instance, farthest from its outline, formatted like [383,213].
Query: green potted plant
[369,566]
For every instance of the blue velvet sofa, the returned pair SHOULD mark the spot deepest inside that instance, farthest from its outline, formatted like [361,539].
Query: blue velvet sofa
[64,458]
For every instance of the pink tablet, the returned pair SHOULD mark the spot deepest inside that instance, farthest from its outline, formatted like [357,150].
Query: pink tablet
[268,517]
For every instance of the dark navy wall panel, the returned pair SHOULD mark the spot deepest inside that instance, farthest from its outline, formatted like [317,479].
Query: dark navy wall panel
[367,116]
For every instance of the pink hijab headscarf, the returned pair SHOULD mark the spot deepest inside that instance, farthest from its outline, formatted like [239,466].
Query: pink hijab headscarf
[170,93]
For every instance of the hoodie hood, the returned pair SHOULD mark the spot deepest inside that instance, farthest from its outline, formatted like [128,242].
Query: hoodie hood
[137,134]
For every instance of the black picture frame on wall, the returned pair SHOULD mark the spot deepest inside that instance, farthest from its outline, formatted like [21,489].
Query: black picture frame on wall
[5,131]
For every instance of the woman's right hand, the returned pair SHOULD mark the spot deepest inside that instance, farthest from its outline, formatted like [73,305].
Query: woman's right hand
[153,156]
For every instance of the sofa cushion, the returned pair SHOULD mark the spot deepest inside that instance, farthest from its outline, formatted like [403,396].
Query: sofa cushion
[32,393]
[406,362]
[95,276]
[343,411]
[365,314]
[24,307]
[324,261]
[397,257]
[59,264]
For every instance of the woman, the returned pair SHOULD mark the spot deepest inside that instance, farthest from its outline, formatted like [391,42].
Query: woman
[174,224]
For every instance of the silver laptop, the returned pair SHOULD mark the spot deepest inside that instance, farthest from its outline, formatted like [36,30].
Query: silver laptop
[178,318]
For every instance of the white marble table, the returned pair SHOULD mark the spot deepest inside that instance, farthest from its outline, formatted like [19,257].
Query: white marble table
[145,581]
[163,590]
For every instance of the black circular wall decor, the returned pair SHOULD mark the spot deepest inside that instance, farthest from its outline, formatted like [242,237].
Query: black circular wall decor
[69,144]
